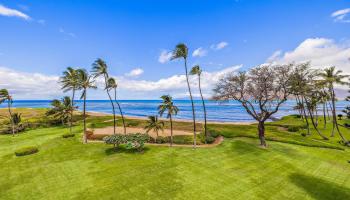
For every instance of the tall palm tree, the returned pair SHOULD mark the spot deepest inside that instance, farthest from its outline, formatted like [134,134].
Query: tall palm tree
[61,110]
[196,70]
[332,77]
[69,82]
[168,105]
[181,51]
[99,68]
[112,84]
[154,124]
[85,82]
[5,96]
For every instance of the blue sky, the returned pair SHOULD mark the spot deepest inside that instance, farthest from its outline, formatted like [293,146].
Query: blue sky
[41,38]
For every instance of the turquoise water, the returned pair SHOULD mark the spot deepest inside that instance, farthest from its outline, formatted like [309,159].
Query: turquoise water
[230,111]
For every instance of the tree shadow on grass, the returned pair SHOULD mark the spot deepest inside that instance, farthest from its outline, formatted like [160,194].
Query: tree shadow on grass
[319,188]
[121,149]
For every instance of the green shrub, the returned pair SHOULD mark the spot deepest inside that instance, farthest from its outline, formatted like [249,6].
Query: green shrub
[213,133]
[132,123]
[183,139]
[303,134]
[161,140]
[68,135]
[116,140]
[210,140]
[136,141]
[293,128]
[26,151]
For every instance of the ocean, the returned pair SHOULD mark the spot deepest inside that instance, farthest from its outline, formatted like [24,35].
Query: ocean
[230,111]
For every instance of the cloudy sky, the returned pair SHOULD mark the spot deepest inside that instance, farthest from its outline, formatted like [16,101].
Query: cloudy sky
[39,39]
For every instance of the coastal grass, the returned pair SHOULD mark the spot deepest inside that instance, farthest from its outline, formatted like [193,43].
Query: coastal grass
[292,167]
[236,169]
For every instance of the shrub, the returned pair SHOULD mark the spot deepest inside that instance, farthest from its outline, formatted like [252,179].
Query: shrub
[303,134]
[161,140]
[340,116]
[68,135]
[132,123]
[136,141]
[213,133]
[183,139]
[26,151]
[293,128]
[208,140]
[116,140]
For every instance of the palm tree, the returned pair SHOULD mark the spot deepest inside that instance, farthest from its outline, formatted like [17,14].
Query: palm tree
[181,51]
[61,110]
[85,83]
[331,77]
[196,70]
[112,84]
[69,82]
[99,68]
[168,105]
[5,96]
[154,124]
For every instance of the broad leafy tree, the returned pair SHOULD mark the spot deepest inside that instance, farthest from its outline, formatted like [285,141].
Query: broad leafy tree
[167,106]
[181,52]
[261,91]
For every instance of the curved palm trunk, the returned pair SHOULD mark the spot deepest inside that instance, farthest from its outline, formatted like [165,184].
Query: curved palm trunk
[113,108]
[84,121]
[11,118]
[305,116]
[120,110]
[335,123]
[193,111]
[71,112]
[204,108]
[171,130]
[313,122]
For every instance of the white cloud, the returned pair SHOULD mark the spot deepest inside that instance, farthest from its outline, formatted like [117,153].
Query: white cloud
[321,52]
[40,86]
[219,45]
[61,30]
[274,56]
[164,56]
[12,13]
[29,85]
[200,52]
[135,72]
[341,15]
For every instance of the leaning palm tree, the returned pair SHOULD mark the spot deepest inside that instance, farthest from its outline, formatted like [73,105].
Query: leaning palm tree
[100,68]
[85,82]
[181,51]
[196,70]
[69,82]
[5,96]
[61,110]
[168,105]
[154,124]
[332,77]
[112,84]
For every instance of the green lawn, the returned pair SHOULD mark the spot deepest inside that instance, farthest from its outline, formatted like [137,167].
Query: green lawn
[236,169]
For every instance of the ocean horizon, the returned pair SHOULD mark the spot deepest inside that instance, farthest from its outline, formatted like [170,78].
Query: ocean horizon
[227,111]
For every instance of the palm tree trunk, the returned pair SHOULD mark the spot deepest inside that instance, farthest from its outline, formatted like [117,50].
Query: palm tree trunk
[120,110]
[324,115]
[193,111]
[305,116]
[171,130]
[71,112]
[335,119]
[11,118]
[110,99]
[204,109]
[313,122]
[84,117]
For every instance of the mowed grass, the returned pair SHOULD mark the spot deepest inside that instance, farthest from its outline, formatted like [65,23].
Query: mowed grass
[236,169]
